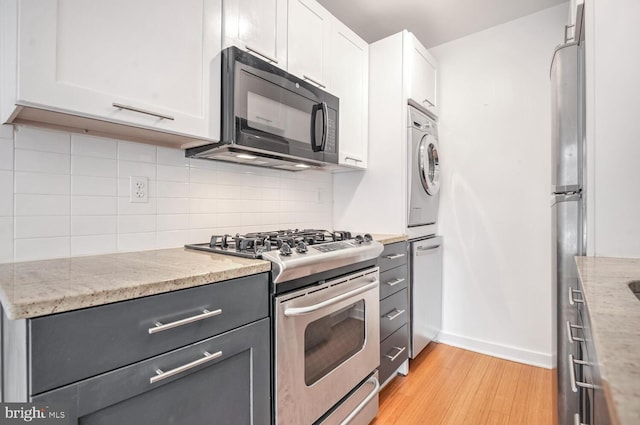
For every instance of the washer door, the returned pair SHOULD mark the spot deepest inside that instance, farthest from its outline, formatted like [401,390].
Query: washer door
[429,164]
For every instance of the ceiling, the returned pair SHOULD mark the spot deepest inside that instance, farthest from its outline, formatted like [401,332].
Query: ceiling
[433,21]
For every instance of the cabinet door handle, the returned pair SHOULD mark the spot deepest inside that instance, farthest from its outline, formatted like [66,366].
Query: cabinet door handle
[572,300]
[393,256]
[566,33]
[204,315]
[160,375]
[572,374]
[142,111]
[397,313]
[395,356]
[429,102]
[570,334]
[347,158]
[316,82]
[395,282]
[261,54]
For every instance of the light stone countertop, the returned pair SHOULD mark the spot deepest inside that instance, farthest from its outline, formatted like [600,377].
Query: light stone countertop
[38,288]
[387,239]
[615,325]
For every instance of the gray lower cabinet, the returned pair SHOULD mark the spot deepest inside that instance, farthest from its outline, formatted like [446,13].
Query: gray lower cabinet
[394,311]
[193,356]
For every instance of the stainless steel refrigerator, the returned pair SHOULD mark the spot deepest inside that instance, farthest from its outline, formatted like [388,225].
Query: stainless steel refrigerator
[568,209]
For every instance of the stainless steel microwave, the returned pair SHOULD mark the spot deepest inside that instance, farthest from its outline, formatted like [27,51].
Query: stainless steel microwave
[272,118]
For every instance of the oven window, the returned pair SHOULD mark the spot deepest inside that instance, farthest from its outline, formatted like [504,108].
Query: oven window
[331,340]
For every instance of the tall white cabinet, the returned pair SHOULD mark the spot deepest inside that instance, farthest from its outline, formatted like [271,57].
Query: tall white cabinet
[144,63]
[377,199]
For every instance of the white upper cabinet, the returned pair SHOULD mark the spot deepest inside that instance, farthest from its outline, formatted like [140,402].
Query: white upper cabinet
[349,81]
[257,26]
[146,63]
[423,73]
[309,33]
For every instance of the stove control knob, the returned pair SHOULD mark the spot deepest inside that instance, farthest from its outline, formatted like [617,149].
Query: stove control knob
[301,247]
[285,249]
[359,239]
[367,237]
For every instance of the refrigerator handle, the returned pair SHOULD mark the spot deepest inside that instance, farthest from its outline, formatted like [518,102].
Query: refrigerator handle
[561,197]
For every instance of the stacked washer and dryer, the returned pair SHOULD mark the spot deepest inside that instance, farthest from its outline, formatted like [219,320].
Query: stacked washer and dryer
[423,182]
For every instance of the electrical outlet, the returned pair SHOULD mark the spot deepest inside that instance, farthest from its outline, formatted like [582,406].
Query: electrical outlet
[139,189]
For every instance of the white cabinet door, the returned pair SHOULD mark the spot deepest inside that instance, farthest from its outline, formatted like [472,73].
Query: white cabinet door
[423,74]
[349,81]
[258,26]
[84,56]
[308,38]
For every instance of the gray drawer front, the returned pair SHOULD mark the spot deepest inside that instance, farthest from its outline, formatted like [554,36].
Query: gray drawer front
[393,313]
[72,346]
[393,280]
[394,255]
[232,389]
[399,339]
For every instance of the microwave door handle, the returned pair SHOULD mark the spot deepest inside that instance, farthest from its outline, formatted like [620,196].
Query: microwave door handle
[314,116]
[325,129]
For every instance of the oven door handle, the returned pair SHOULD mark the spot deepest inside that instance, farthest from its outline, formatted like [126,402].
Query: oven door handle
[363,404]
[299,311]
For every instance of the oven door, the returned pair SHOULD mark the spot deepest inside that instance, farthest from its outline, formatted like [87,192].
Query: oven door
[327,343]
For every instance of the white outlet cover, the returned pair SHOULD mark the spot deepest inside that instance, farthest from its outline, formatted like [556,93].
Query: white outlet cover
[138,189]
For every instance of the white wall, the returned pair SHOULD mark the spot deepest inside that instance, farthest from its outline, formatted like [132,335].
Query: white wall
[613,61]
[65,194]
[494,211]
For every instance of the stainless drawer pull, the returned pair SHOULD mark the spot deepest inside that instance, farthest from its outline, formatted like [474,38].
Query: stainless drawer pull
[572,300]
[395,282]
[261,54]
[142,111]
[316,82]
[395,315]
[363,404]
[204,315]
[164,375]
[394,256]
[576,420]
[400,351]
[299,311]
[572,374]
[570,334]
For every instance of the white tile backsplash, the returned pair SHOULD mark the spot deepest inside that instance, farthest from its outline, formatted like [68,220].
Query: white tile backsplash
[69,195]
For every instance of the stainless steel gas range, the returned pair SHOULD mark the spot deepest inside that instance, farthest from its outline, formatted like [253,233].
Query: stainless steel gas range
[325,321]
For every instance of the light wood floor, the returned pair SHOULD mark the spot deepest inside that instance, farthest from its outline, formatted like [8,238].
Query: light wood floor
[451,386]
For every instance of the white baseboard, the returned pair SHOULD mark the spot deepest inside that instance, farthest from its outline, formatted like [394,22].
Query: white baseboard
[533,358]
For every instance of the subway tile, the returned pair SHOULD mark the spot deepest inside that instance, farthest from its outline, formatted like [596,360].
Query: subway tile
[202,205]
[203,175]
[6,154]
[136,241]
[202,190]
[6,131]
[94,244]
[173,173]
[172,189]
[42,162]
[137,152]
[202,221]
[6,239]
[94,186]
[30,205]
[41,248]
[93,166]
[165,222]
[172,157]
[42,183]
[205,163]
[94,146]
[171,239]
[41,226]
[173,206]
[204,235]
[136,223]
[127,169]
[39,139]
[126,207]
[84,225]
[94,205]
[6,193]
